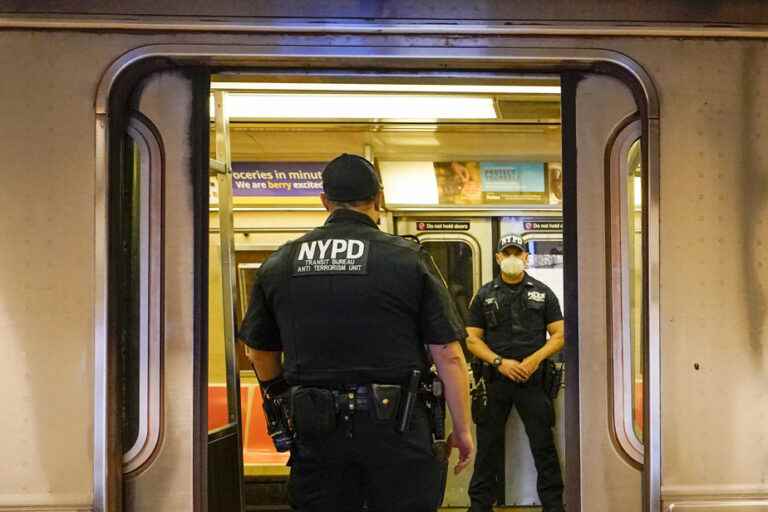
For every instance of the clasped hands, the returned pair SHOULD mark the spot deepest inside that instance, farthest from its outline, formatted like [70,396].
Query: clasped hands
[519,371]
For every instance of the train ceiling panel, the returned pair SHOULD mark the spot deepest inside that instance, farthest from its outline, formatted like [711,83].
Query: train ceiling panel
[520,102]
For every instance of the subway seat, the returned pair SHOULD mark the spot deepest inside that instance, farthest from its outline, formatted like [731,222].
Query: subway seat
[259,454]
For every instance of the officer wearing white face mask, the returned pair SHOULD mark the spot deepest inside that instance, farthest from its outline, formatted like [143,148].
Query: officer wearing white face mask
[509,320]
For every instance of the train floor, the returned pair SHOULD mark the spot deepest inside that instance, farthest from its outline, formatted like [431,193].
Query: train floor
[269,494]
[496,509]
[441,509]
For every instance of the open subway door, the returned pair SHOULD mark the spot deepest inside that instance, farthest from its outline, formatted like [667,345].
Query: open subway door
[603,289]
[180,388]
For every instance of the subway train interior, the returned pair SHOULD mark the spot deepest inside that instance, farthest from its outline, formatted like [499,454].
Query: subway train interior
[155,155]
[460,165]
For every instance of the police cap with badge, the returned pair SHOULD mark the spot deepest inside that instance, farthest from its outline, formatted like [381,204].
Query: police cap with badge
[511,240]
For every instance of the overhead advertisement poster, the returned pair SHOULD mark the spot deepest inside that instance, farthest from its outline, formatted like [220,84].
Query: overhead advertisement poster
[472,182]
[277,183]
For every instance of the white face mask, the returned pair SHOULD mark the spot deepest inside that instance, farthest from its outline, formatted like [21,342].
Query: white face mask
[512,265]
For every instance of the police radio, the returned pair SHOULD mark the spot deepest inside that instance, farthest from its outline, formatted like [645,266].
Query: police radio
[275,396]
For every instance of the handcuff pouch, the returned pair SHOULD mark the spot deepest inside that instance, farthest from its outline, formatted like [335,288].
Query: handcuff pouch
[386,400]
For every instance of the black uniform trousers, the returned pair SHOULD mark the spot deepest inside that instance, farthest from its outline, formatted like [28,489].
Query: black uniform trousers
[368,461]
[536,412]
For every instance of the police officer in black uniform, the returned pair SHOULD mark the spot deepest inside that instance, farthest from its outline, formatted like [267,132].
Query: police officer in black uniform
[509,319]
[353,310]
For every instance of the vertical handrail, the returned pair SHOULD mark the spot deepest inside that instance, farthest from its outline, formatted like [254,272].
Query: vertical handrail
[226,237]
[227,241]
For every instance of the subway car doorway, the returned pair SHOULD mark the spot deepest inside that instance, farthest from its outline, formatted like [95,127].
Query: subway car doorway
[461,164]
[463,160]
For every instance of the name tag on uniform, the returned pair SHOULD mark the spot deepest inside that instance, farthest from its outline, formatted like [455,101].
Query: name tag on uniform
[332,256]
[536,296]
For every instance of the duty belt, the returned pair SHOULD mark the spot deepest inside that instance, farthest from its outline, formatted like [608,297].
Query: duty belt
[359,398]
[351,399]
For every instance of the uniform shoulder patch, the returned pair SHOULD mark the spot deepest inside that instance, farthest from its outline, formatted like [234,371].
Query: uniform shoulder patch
[331,256]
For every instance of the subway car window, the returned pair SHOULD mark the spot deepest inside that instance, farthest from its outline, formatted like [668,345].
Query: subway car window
[141,347]
[627,291]
[545,254]
[131,346]
[454,259]
[635,250]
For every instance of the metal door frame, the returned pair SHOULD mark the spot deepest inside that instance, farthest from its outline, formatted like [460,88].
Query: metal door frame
[124,73]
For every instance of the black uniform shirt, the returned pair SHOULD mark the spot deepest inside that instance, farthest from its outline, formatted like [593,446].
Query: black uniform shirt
[349,304]
[514,317]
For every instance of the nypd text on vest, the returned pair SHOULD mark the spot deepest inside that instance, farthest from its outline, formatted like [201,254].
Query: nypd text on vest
[332,256]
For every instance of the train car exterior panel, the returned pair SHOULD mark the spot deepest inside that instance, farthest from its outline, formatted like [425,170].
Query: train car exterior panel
[712,233]
[706,11]
[604,102]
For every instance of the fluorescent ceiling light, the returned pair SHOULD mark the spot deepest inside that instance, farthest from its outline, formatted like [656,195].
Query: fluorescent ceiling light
[487,89]
[357,106]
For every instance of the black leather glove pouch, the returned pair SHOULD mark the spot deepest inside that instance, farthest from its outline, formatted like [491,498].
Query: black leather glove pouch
[313,410]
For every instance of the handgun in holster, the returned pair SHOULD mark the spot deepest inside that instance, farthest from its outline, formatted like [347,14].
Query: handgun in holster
[409,401]
[434,398]
[552,378]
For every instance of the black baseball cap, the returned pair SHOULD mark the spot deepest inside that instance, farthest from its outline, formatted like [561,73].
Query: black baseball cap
[350,178]
[510,240]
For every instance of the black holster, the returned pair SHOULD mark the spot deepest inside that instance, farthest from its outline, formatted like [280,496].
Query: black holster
[434,400]
[552,378]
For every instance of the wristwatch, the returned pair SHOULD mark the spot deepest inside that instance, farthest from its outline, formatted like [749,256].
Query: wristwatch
[496,362]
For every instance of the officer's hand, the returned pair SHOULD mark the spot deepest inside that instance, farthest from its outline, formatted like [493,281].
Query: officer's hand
[513,369]
[530,364]
[466,446]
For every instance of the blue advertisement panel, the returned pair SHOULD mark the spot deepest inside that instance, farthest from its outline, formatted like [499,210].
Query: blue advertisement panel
[276,180]
[521,177]
[521,182]
[473,182]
